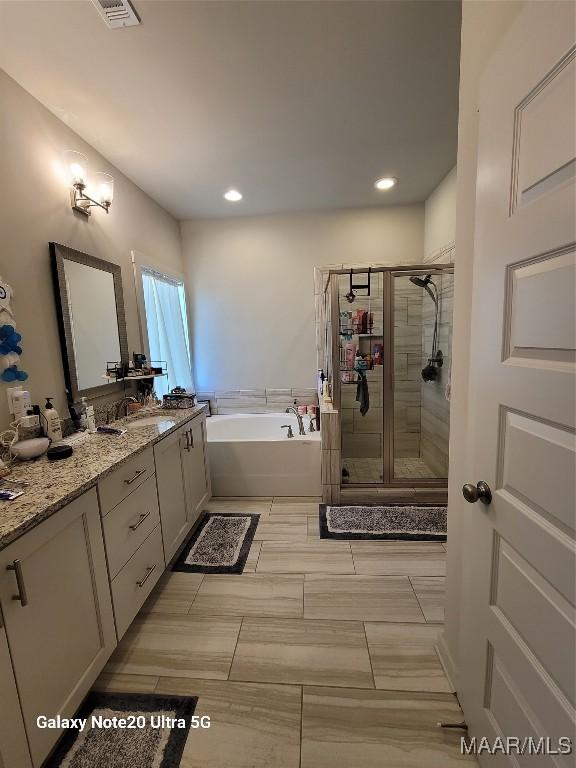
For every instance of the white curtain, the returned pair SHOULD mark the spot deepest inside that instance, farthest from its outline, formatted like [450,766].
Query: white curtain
[167,324]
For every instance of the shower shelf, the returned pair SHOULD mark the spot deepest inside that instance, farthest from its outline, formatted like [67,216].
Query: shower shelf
[352,332]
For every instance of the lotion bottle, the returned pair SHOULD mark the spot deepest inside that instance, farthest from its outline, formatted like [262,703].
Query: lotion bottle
[52,425]
[90,418]
[83,414]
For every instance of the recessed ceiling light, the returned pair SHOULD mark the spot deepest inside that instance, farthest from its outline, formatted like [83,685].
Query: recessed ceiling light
[386,183]
[233,196]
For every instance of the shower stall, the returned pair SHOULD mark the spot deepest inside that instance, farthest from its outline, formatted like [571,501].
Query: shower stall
[388,337]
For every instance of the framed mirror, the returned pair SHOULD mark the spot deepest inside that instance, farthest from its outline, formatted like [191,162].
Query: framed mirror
[92,324]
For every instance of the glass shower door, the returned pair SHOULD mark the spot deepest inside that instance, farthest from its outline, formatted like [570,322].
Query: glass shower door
[421,357]
[361,347]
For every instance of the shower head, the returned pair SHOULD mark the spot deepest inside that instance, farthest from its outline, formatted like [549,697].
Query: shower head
[426,282]
[421,282]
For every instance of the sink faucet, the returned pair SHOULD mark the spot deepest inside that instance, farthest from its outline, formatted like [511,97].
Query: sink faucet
[292,409]
[124,404]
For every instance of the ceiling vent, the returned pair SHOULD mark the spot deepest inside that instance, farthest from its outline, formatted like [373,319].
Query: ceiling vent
[117,13]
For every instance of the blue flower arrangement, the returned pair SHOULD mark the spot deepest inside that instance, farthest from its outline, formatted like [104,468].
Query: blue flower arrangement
[10,349]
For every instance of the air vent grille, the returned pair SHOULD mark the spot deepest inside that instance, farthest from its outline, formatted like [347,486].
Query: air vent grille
[117,13]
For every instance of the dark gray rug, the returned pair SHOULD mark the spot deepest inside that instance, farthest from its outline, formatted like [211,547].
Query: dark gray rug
[401,522]
[220,544]
[156,737]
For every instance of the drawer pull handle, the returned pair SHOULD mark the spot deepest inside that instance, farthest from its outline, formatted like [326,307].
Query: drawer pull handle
[147,576]
[141,519]
[136,475]
[187,440]
[191,439]
[22,595]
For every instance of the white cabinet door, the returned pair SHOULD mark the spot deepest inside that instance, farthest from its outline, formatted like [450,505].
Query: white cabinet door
[171,491]
[13,745]
[196,473]
[55,599]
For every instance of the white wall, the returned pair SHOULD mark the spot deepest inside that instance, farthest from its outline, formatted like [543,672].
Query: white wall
[440,215]
[483,26]
[35,208]
[250,283]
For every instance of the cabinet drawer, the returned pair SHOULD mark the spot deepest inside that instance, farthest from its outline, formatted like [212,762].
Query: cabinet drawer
[125,479]
[135,581]
[130,523]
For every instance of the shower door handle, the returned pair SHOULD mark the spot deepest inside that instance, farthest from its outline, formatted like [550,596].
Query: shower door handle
[479,492]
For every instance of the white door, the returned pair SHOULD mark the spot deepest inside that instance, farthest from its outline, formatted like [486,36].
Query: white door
[171,491]
[518,639]
[56,604]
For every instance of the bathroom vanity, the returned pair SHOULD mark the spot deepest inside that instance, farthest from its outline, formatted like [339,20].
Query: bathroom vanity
[80,552]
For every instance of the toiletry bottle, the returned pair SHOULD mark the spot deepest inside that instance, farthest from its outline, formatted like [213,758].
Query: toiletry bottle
[90,418]
[83,414]
[52,424]
[21,403]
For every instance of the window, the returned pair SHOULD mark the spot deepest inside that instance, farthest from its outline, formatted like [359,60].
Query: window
[167,326]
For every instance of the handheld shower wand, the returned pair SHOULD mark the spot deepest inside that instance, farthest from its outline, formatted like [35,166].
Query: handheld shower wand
[430,372]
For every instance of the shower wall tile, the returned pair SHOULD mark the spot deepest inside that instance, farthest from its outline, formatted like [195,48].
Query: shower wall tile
[401,365]
[406,445]
[348,396]
[435,407]
[371,422]
[362,445]
[330,430]
[304,391]
[281,394]
[404,397]
[331,470]
[227,402]
[224,411]
[408,338]
[347,419]
[241,402]
[401,311]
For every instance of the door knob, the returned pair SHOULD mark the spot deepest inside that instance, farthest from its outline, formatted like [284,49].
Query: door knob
[479,492]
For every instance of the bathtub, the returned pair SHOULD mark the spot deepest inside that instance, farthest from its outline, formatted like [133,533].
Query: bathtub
[250,455]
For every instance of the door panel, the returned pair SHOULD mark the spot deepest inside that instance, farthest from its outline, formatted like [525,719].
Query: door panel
[519,575]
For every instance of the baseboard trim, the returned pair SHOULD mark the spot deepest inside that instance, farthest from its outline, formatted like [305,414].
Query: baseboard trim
[447,661]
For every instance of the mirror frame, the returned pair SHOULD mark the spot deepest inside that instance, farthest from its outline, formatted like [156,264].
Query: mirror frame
[58,255]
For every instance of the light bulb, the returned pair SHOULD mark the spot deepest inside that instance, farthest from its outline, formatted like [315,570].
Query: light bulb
[233,196]
[104,185]
[75,164]
[387,182]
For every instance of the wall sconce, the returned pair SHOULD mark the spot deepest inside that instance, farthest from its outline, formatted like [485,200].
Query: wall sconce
[76,164]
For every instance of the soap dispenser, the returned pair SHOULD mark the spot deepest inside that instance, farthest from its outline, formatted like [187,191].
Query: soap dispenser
[52,425]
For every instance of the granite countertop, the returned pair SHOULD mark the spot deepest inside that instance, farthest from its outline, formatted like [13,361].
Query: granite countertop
[52,484]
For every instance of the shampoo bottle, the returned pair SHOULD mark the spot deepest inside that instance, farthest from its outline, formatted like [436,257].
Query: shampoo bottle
[52,424]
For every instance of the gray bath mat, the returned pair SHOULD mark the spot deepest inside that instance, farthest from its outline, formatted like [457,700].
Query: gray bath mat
[402,522]
[160,726]
[220,544]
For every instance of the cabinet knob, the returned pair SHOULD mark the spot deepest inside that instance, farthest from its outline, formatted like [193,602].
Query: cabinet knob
[479,492]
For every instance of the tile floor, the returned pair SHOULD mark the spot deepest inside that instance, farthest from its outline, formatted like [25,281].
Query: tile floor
[370,470]
[320,654]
